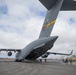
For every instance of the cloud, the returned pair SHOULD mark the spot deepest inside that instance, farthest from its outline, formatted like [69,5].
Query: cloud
[3,10]
[66,32]
[21,22]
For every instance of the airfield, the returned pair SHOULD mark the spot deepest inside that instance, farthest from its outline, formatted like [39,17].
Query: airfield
[36,68]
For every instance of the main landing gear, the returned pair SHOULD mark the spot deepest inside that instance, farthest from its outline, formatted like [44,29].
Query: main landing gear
[18,60]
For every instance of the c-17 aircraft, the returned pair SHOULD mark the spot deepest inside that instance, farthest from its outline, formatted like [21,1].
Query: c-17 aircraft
[45,42]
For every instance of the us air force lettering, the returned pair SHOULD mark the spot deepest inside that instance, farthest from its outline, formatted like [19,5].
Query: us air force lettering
[45,42]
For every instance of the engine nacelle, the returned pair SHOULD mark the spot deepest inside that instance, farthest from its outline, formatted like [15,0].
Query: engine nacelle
[45,55]
[9,53]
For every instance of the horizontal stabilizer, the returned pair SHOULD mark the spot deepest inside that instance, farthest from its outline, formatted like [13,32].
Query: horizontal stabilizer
[48,3]
[67,4]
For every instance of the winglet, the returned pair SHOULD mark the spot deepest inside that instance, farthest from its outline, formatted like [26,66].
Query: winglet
[71,52]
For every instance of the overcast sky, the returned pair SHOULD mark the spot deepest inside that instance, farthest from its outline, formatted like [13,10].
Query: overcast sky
[21,22]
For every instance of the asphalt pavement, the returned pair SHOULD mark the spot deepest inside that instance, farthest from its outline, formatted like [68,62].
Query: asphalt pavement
[36,68]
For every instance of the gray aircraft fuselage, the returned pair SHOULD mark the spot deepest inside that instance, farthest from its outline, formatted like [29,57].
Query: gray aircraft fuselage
[36,48]
[45,41]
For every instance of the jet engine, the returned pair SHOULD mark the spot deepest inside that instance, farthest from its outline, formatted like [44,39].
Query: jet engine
[9,53]
[45,55]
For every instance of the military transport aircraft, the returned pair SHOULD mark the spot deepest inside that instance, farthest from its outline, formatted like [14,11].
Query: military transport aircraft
[45,42]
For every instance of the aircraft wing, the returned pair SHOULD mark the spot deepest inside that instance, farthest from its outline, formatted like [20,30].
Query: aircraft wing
[10,50]
[59,53]
[48,53]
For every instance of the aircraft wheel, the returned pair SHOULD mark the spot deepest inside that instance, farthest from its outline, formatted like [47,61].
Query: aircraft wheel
[18,60]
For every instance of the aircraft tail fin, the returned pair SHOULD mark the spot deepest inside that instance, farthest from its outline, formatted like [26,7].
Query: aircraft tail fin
[50,18]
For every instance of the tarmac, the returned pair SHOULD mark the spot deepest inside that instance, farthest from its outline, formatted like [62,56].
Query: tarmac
[36,68]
